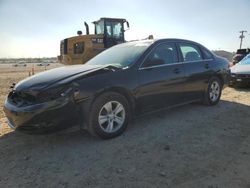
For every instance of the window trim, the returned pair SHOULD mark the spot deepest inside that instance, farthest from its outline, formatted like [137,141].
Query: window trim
[182,62]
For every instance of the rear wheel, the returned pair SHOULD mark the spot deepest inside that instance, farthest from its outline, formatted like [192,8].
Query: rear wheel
[213,91]
[109,115]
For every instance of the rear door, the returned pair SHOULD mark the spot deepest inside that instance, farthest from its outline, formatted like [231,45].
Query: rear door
[198,69]
[162,78]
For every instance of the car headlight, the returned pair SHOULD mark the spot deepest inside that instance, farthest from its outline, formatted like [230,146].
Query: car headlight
[53,94]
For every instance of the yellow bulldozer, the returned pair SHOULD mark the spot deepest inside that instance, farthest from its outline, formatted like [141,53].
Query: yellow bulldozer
[79,49]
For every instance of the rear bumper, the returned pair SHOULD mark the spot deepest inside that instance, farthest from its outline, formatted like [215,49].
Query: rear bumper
[44,117]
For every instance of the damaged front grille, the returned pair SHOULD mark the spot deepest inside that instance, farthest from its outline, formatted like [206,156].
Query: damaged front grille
[26,98]
[21,99]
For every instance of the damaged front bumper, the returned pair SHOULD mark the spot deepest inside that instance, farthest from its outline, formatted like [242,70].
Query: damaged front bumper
[44,117]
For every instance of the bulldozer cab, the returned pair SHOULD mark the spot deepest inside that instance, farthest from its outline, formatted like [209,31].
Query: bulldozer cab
[112,30]
[79,49]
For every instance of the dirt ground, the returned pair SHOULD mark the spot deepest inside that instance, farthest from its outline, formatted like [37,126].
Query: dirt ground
[10,75]
[189,146]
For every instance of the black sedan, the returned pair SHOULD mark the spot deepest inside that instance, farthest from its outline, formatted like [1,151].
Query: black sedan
[240,73]
[124,81]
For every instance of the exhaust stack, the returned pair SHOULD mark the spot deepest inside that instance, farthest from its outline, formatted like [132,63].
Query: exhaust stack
[87,28]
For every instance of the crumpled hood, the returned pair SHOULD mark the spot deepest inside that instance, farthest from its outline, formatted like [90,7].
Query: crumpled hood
[240,69]
[47,78]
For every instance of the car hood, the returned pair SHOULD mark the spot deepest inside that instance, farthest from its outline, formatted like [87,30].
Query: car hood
[46,79]
[240,69]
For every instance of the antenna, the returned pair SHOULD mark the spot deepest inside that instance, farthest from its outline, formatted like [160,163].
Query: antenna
[242,36]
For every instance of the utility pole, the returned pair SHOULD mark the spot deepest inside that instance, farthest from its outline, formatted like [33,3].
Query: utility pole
[242,37]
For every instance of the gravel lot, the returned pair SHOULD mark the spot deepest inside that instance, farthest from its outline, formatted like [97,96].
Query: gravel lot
[189,146]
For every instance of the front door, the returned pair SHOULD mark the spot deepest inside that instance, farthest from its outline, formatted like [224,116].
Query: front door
[162,78]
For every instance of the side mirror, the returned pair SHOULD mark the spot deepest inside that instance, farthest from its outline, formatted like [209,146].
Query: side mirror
[127,24]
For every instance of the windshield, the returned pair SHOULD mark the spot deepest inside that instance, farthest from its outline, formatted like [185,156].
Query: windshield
[122,55]
[245,60]
[114,29]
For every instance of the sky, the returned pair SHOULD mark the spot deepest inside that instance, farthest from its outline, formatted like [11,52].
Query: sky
[30,28]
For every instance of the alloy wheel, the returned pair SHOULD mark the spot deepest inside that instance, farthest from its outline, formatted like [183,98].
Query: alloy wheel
[111,116]
[214,91]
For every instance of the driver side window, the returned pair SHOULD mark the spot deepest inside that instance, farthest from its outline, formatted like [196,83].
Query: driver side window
[161,55]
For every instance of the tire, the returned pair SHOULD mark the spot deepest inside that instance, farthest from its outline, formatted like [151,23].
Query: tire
[109,115]
[213,92]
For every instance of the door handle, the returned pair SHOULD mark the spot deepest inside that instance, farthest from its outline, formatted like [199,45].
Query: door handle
[206,66]
[176,71]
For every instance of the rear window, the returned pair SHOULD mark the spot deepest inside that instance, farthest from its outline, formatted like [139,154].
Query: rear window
[206,54]
[190,52]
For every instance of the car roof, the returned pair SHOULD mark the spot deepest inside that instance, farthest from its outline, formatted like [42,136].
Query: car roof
[161,40]
[176,40]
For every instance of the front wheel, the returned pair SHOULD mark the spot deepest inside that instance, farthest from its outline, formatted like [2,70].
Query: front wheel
[213,92]
[109,115]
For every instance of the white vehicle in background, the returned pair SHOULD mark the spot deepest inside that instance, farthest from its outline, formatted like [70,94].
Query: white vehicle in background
[43,64]
[20,64]
[240,72]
